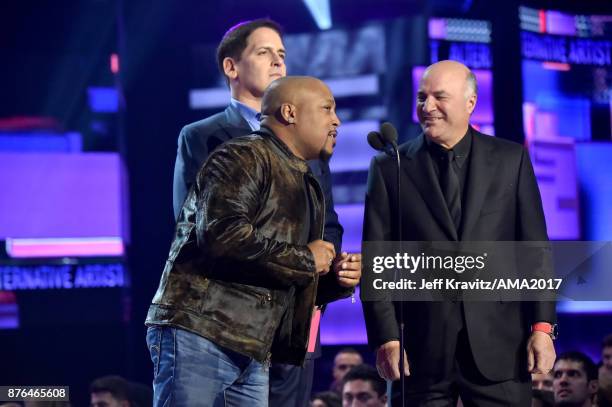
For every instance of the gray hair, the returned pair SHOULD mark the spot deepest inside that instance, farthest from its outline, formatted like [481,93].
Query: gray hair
[471,85]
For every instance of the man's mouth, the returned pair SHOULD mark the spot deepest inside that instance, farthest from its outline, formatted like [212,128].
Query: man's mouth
[564,393]
[333,134]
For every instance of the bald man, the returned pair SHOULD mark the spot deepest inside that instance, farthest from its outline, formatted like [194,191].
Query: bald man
[458,185]
[248,264]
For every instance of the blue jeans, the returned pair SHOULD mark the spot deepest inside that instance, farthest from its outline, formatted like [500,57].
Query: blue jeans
[190,370]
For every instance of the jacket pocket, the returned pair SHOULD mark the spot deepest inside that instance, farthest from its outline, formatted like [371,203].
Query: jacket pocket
[243,310]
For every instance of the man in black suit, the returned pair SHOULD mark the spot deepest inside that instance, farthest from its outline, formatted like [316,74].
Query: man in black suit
[251,55]
[458,185]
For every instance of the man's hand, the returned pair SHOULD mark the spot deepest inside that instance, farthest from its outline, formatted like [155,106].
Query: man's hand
[323,253]
[348,269]
[387,361]
[540,353]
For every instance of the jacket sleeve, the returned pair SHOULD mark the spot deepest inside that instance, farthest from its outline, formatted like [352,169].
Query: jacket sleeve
[194,145]
[380,318]
[531,226]
[232,188]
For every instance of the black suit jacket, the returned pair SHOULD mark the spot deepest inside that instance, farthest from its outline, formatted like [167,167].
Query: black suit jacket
[502,203]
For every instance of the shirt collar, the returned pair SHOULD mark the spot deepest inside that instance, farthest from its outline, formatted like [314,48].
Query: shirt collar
[461,149]
[249,114]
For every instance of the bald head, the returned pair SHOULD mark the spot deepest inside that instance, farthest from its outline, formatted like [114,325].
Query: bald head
[291,90]
[457,71]
[301,112]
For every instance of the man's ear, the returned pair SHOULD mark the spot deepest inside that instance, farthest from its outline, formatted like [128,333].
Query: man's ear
[471,103]
[288,113]
[229,68]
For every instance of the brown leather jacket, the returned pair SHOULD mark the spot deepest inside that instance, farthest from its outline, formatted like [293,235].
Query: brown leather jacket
[239,272]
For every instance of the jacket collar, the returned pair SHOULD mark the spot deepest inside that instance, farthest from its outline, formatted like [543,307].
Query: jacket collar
[419,168]
[293,160]
[484,160]
[234,120]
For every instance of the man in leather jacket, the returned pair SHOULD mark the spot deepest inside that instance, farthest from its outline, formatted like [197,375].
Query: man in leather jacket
[248,263]
[250,56]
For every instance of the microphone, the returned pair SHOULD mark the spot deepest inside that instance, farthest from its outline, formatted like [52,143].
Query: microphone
[385,140]
[389,134]
[375,141]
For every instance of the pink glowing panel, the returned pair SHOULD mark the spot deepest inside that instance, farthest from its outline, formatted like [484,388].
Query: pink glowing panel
[24,248]
[560,23]
[437,28]
[62,195]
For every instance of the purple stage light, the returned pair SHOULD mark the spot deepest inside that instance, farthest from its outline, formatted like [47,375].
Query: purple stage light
[103,100]
[554,164]
[39,140]
[343,323]
[352,151]
[53,195]
[351,219]
[437,28]
[560,23]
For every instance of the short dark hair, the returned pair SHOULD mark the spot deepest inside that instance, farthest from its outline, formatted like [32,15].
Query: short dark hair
[234,41]
[607,342]
[330,398]
[588,365]
[117,386]
[369,374]
[348,350]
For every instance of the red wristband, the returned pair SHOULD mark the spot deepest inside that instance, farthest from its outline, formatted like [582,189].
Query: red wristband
[550,329]
[543,327]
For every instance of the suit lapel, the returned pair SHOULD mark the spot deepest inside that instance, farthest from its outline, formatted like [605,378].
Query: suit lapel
[236,124]
[483,162]
[419,169]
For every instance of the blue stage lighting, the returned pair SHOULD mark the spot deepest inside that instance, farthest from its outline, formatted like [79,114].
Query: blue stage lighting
[321,13]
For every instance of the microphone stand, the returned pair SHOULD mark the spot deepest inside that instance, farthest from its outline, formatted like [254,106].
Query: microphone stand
[402,361]
[381,142]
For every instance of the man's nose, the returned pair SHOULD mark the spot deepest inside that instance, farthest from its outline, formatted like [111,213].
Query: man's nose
[428,105]
[337,123]
[277,60]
